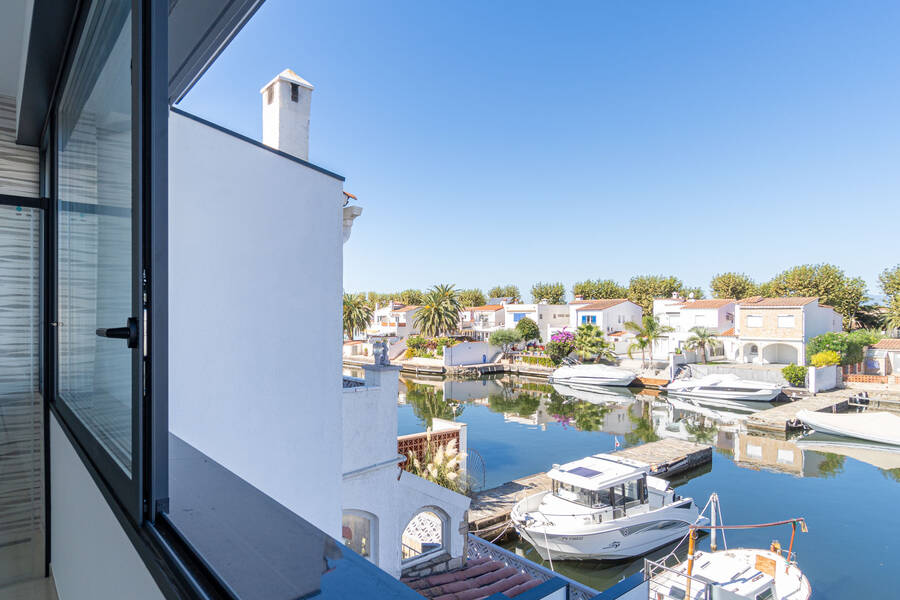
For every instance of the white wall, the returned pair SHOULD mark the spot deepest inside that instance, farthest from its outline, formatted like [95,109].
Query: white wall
[91,555]
[819,320]
[369,422]
[822,379]
[255,242]
[469,353]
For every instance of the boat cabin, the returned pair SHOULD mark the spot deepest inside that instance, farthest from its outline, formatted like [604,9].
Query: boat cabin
[604,482]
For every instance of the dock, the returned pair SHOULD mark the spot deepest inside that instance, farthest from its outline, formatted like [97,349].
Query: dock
[783,418]
[489,511]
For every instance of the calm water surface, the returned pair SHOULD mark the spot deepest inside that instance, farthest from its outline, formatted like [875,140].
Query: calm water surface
[849,496]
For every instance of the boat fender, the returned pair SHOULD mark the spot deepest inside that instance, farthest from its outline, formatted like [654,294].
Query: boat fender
[775,547]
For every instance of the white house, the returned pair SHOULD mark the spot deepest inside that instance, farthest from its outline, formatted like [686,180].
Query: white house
[610,315]
[481,321]
[776,330]
[549,317]
[393,320]
[683,315]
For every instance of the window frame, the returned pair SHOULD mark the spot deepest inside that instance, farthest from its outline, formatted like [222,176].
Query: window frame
[144,493]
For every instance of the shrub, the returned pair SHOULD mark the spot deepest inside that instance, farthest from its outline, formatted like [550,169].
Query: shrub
[538,360]
[847,345]
[415,342]
[557,351]
[505,338]
[528,329]
[795,375]
[825,358]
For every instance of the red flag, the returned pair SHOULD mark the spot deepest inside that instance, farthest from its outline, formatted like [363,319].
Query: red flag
[617,442]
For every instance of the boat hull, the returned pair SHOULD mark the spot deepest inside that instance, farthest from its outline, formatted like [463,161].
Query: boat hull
[764,395]
[616,540]
[592,375]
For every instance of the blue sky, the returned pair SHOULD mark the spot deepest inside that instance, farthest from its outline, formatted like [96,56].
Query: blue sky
[515,142]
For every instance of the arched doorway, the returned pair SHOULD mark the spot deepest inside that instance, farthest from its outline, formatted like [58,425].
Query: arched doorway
[750,353]
[780,354]
[424,535]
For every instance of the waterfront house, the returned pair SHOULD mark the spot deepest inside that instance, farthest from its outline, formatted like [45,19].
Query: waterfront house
[883,358]
[682,315]
[393,320]
[776,330]
[610,315]
[479,322]
[549,317]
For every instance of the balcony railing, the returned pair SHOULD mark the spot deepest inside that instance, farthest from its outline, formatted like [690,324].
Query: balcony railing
[417,443]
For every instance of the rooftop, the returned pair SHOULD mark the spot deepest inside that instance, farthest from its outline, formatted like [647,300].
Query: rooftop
[779,302]
[291,77]
[481,577]
[485,308]
[713,303]
[888,344]
[600,304]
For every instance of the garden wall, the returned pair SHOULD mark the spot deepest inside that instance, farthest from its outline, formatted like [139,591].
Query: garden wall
[470,353]
[770,375]
[823,378]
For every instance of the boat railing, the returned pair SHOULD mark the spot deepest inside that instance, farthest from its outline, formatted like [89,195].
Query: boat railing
[661,578]
[477,548]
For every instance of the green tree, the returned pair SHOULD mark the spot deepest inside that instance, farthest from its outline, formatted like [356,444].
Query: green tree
[732,285]
[589,342]
[828,283]
[504,338]
[644,288]
[429,403]
[473,297]
[522,404]
[599,289]
[357,314]
[505,291]
[832,464]
[701,338]
[645,334]
[411,297]
[440,311]
[528,329]
[553,293]
[643,431]
[890,285]
[692,292]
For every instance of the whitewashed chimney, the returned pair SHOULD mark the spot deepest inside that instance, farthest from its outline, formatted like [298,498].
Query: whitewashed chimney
[285,107]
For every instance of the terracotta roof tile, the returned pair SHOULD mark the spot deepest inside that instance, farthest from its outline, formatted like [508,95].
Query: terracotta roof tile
[712,303]
[888,344]
[485,308]
[727,333]
[481,577]
[778,302]
[618,333]
[602,304]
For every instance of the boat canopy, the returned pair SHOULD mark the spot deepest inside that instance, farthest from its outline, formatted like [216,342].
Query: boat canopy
[598,472]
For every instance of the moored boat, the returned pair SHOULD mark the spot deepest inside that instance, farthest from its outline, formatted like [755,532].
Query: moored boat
[592,375]
[724,387]
[880,427]
[595,394]
[603,507]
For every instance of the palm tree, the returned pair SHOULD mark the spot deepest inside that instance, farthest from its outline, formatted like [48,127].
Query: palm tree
[589,342]
[702,338]
[357,314]
[645,334]
[440,313]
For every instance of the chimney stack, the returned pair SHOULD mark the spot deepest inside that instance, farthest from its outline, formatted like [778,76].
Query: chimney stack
[285,103]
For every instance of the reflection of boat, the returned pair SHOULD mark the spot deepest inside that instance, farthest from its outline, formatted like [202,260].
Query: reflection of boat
[883,456]
[880,427]
[592,375]
[723,411]
[735,574]
[595,394]
[603,507]
[724,387]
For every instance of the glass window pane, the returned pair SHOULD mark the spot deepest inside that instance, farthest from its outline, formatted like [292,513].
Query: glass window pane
[94,237]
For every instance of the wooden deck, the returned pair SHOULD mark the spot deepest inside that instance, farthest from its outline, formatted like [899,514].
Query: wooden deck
[783,418]
[489,511]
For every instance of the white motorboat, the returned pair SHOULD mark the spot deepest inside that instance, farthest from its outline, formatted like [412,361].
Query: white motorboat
[880,427]
[579,376]
[724,387]
[735,574]
[596,394]
[603,507]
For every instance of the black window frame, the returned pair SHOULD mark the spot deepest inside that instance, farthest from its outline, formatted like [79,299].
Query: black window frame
[144,493]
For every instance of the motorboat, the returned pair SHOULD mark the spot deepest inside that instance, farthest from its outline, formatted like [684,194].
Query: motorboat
[724,387]
[603,507]
[880,427]
[582,376]
[596,394]
[734,574]
[883,456]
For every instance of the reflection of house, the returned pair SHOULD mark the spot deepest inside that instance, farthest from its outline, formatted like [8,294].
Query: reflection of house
[773,454]
[393,320]
[776,330]
[683,315]
[479,322]
[609,315]
[547,316]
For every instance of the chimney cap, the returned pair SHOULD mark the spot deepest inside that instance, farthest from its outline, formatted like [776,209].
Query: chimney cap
[291,77]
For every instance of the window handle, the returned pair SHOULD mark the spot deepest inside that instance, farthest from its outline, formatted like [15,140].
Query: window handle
[129,332]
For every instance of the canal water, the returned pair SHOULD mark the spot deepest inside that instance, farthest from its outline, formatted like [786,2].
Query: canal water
[850,496]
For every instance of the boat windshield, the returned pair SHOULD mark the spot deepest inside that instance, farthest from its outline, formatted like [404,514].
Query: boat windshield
[623,495]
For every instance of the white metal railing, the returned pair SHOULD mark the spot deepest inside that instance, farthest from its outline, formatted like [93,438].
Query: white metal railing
[478,548]
[661,579]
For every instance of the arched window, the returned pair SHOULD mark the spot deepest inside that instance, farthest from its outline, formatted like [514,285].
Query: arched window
[360,532]
[425,534]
